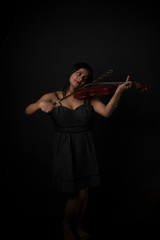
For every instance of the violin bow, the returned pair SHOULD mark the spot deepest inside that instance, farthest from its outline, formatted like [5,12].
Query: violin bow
[94,82]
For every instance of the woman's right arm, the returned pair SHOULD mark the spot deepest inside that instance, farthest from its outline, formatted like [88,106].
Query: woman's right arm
[45,103]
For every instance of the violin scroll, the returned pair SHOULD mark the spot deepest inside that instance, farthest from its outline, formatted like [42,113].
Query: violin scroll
[143,88]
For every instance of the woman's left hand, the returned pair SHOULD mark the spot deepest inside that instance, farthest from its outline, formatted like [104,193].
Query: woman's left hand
[124,86]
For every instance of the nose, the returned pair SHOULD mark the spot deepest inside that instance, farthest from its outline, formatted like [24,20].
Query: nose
[80,79]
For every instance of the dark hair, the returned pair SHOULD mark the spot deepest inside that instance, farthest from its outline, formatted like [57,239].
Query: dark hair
[74,68]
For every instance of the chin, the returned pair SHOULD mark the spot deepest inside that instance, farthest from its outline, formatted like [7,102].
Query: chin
[76,85]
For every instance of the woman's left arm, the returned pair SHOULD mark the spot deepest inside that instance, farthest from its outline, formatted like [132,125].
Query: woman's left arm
[107,110]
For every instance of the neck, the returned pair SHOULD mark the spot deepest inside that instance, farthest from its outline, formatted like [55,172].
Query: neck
[70,90]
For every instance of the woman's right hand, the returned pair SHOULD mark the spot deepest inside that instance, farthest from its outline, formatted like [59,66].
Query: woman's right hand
[46,107]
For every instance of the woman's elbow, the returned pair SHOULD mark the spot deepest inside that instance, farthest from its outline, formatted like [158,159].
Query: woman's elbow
[27,111]
[107,115]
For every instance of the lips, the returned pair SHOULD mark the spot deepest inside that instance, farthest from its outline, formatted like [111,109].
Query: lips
[77,82]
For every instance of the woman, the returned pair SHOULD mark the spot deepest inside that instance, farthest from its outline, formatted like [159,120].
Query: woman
[75,166]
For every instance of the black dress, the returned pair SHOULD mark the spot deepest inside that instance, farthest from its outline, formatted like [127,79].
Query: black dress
[75,164]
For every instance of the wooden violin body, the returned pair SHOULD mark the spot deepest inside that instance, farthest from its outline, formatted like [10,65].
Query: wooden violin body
[104,88]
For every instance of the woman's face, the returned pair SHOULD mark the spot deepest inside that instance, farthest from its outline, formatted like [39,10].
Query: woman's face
[79,77]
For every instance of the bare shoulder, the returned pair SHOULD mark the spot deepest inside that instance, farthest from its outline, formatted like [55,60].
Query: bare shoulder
[93,99]
[96,103]
[54,95]
[59,93]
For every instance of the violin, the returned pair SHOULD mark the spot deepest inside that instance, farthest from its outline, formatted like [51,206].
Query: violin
[103,88]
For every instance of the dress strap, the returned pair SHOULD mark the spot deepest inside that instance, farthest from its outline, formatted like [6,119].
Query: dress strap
[58,98]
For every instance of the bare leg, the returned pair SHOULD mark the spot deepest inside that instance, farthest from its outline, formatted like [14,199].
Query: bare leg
[68,215]
[82,198]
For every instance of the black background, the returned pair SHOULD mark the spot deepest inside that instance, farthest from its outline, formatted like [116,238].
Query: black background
[39,44]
